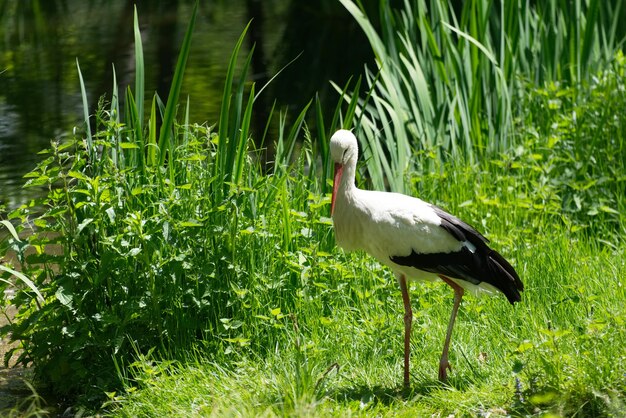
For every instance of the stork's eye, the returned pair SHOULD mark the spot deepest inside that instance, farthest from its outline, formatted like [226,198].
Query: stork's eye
[343,156]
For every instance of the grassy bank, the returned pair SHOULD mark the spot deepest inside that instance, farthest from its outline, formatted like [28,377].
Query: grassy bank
[560,351]
[194,281]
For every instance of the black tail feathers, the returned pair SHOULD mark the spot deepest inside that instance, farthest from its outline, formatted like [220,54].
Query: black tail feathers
[504,277]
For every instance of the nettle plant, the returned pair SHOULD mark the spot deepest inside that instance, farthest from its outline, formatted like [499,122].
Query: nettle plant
[100,260]
[125,261]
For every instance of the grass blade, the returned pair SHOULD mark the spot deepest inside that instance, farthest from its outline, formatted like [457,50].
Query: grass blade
[242,149]
[25,280]
[234,137]
[139,71]
[11,229]
[223,169]
[136,153]
[172,100]
[83,93]
[151,145]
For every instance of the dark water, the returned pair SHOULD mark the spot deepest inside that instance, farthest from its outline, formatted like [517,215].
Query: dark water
[41,40]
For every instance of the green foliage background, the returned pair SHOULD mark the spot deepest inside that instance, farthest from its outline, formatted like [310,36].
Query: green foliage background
[164,263]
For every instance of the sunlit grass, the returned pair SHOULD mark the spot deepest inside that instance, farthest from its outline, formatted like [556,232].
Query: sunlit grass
[560,350]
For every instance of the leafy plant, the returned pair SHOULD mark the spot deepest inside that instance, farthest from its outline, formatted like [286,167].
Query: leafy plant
[147,238]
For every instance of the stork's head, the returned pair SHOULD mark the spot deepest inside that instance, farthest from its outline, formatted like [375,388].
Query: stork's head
[344,150]
[343,147]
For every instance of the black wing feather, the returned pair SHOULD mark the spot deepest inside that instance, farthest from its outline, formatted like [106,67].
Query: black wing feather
[482,265]
[459,229]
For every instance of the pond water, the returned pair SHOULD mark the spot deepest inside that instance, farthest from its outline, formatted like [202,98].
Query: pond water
[40,41]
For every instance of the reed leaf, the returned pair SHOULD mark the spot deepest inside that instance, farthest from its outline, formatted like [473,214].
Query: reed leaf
[139,71]
[116,153]
[167,127]
[9,226]
[151,147]
[29,283]
[136,153]
[242,149]
[83,93]
[222,169]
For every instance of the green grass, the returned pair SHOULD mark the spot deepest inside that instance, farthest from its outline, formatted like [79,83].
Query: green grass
[165,272]
[560,350]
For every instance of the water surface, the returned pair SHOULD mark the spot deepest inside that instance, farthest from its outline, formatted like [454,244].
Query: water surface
[40,42]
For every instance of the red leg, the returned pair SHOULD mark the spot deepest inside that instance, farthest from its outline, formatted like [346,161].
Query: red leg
[408,318]
[444,365]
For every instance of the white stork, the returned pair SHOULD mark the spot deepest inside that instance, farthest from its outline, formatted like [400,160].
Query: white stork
[416,240]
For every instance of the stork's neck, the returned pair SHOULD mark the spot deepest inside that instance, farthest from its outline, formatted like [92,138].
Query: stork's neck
[347,186]
[346,216]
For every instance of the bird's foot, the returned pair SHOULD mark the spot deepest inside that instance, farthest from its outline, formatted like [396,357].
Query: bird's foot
[444,366]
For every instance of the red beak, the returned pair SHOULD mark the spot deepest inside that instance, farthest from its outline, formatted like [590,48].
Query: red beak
[336,183]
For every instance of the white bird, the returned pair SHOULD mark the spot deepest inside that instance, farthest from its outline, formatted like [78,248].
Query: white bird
[417,240]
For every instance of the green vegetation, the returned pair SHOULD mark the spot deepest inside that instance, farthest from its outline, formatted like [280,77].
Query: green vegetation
[455,83]
[187,281]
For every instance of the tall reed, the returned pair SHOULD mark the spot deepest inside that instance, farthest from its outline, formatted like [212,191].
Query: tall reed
[447,81]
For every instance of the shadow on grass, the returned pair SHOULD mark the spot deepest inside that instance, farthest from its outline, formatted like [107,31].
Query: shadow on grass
[387,395]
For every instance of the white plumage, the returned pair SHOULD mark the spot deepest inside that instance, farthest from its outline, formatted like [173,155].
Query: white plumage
[415,239]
